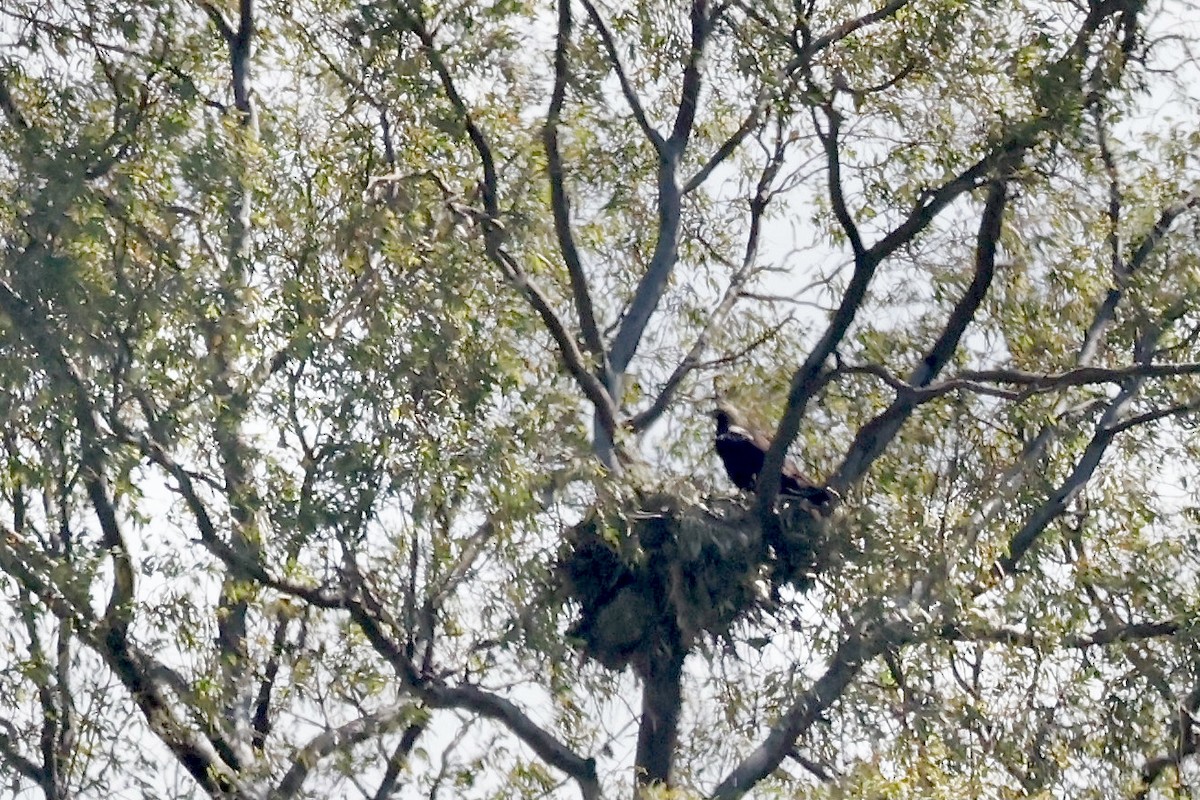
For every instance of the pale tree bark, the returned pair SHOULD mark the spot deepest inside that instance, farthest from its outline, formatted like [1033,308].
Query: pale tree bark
[231,393]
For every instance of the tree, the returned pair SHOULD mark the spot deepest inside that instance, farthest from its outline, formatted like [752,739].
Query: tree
[357,362]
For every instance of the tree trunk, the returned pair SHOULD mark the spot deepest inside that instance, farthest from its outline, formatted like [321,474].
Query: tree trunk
[661,702]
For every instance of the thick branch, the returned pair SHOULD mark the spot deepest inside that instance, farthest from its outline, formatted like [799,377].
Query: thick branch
[837,195]
[847,662]
[689,92]
[596,392]
[12,757]
[805,382]
[666,249]
[471,698]
[758,207]
[338,739]
[559,201]
[877,434]
[551,750]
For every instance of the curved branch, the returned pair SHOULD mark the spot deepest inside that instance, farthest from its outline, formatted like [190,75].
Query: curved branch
[852,655]
[373,620]
[850,26]
[837,196]
[573,359]
[339,739]
[559,202]
[635,104]
[876,435]
[551,750]
[493,234]
[11,756]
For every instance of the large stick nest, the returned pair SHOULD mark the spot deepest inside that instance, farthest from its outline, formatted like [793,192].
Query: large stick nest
[664,573]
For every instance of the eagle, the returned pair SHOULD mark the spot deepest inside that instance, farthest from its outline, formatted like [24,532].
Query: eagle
[743,450]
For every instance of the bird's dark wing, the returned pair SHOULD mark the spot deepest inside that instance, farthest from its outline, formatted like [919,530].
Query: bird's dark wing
[741,454]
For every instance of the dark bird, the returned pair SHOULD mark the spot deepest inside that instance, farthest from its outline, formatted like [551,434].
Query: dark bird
[743,451]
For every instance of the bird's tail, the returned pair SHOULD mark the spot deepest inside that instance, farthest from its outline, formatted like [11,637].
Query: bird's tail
[819,496]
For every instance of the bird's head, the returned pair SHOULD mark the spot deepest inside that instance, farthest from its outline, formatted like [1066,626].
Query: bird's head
[726,416]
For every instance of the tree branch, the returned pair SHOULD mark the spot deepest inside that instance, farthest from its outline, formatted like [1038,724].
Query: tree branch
[781,78]
[1000,159]
[758,207]
[1099,638]
[559,202]
[600,396]
[550,749]
[373,620]
[339,739]
[35,328]
[397,760]
[136,671]
[851,656]
[19,763]
[1106,430]
[627,89]
[653,283]
[689,92]
[876,435]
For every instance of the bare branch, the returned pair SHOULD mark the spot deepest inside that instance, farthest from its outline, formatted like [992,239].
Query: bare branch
[876,435]
[493,234]
[758,207]
[22,765]
[559,201]
[689,92]
[837,196]
[627,89]
[850,26]
[550,749]
[851,656]
[666,249]
[338,739]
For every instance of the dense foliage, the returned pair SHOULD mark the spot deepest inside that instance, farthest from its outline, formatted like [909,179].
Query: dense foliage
[357,358]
